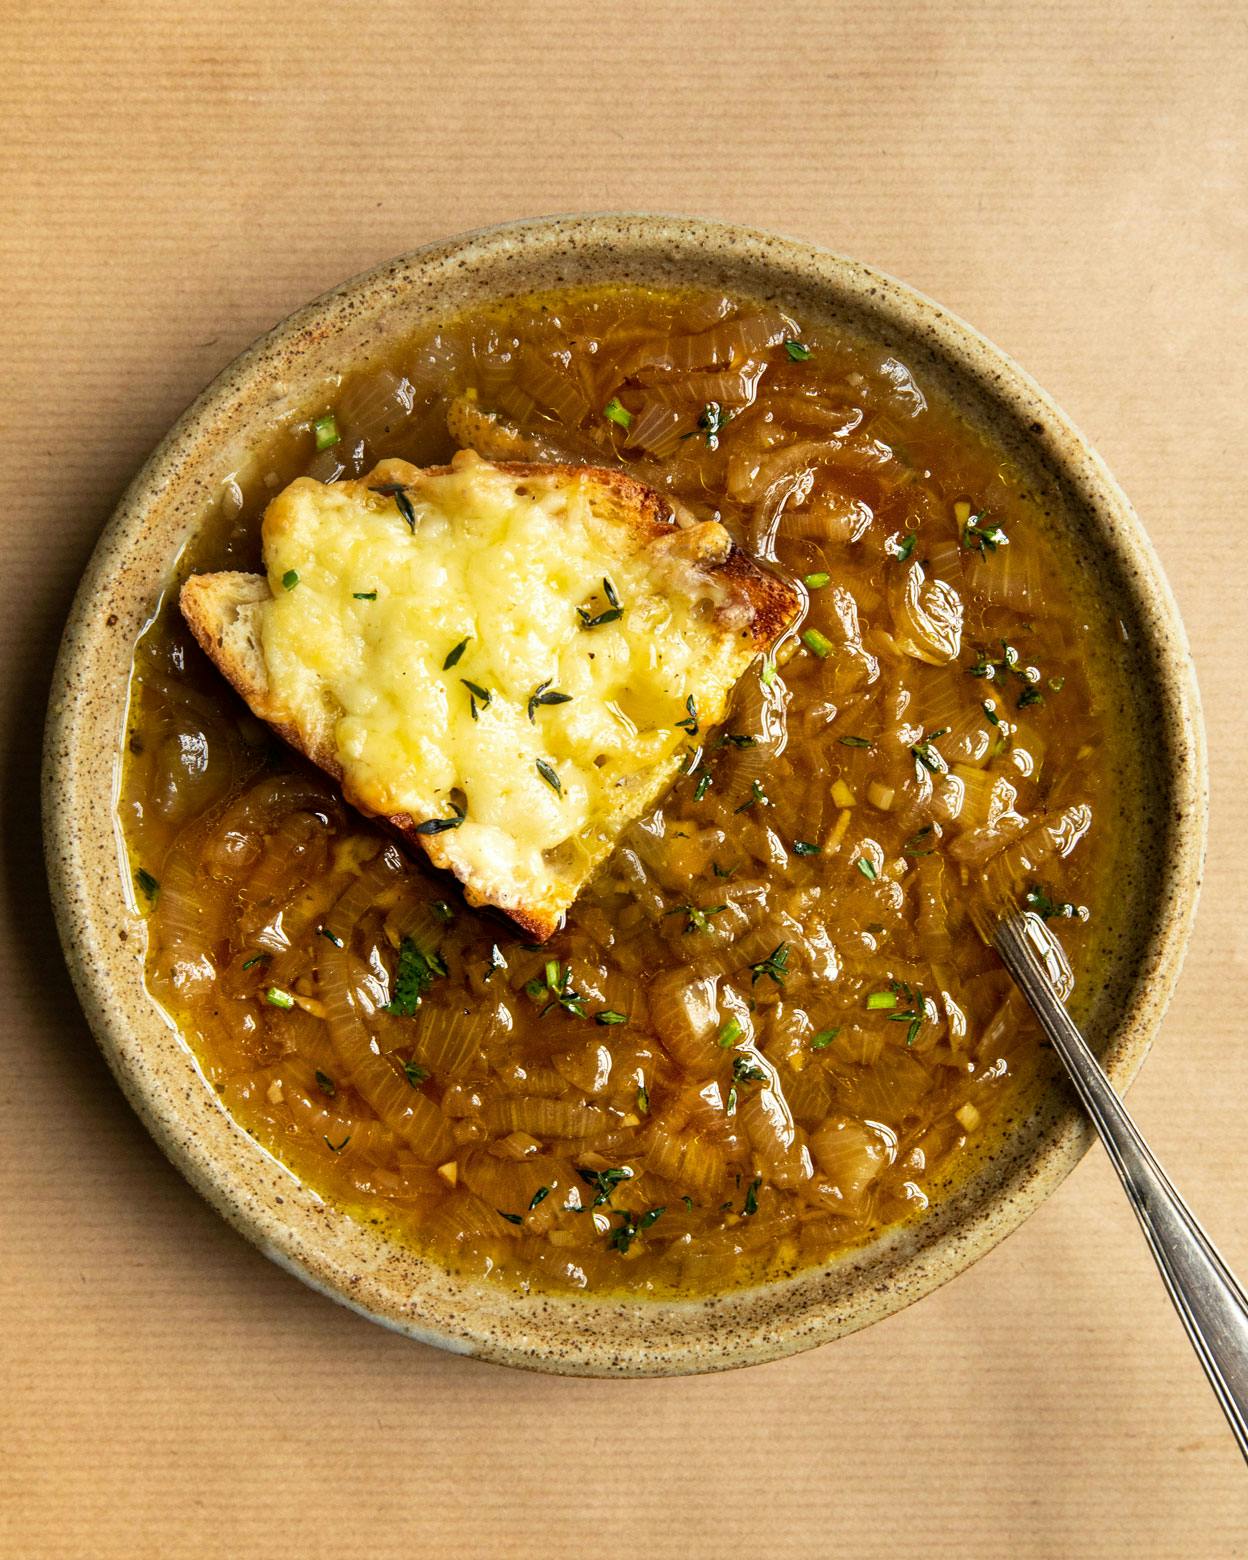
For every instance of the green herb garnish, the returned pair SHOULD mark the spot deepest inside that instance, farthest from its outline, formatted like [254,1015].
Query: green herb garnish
[696,920]
[477,695]
[751,1197]
[690,723]
[324,931]
[1038,898]
[441,825]
[453,656]
[744,1071]
[257,958]
[775,966]
[363,595]
[823,1039]
[817,580]
[337,1148]
[730,1032]
[278,998]
[867,868]
[149,887]
[757,797]
[539,1196]
[614,412]
[551,778]
[416,972]
[983,538]
[398,493]
[806,848]
[613,612]
[703,785]
[326,431]
[325,1083]
[604,1182]
[290,579]
[817,643]
[881,1001]
[544,694]
[512,1218]
[712,421]
[497,962]
[415,1074]
[798,351]
[856,742]
[610,1016]
[914,845]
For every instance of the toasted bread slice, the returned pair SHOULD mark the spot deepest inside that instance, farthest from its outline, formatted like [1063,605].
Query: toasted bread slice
[510,663]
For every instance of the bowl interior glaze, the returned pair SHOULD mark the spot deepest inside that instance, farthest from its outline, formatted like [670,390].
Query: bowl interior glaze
[104,936]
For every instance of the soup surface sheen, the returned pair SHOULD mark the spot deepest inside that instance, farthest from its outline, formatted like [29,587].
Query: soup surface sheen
[768,1030]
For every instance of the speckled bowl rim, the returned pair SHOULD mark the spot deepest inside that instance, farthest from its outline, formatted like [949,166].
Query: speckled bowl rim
[103,934]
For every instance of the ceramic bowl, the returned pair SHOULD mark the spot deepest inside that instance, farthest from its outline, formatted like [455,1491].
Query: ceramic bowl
[104,935]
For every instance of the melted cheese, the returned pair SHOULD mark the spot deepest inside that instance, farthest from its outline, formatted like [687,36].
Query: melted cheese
[503,563]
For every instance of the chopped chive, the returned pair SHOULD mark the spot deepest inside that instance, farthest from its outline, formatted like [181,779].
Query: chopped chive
[512,1218]
[729,1032]
[257,958]
[856,742]
[614,412]
[805,848]
[880,1001]
[703,786]
[278,998]
[539,1196]
[798,351]
[823,1039]
[363,595]
[610,1016]
[148,886]
[453,656]
[768,673]
[290,579]
[817,580]
[817,643]
[990,710]
[690,723]
[329,936]
[551,778]
[914,845]
[751,1197]
[325,1083]
[643,1100]
[416,1075]
[867,868]
[901,550]
[326,431]
[337,1148]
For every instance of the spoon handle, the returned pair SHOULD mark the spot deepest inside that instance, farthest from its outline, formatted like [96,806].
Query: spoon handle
[1203,1289]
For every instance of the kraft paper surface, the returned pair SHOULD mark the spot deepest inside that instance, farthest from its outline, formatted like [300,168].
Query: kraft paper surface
[174,178]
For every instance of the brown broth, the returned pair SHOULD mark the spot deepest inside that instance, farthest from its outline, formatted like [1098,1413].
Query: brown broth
[814,1045]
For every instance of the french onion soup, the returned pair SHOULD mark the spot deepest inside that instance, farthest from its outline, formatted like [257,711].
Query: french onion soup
[698,1002]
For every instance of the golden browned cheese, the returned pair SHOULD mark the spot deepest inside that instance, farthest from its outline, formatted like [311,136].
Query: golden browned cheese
[768,1030]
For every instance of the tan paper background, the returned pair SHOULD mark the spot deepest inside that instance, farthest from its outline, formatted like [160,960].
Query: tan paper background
[175,178]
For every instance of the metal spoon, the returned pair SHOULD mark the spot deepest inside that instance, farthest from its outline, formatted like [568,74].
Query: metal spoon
[1203,1289]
